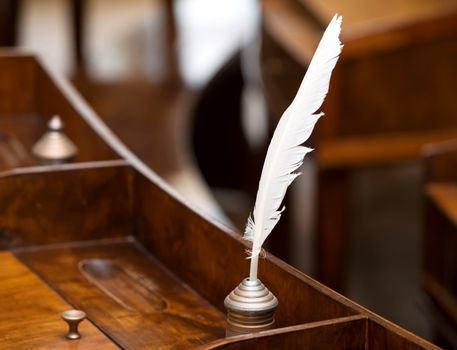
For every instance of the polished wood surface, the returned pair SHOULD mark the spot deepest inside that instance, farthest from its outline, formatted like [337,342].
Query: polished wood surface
[343,333]
[354,332]
[381,98]
[168,269]
[182,241]
[96,195]
[30,313]
[128,294]
[150,270]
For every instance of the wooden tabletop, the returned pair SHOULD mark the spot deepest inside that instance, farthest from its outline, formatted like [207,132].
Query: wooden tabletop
[128,294]
[27,301]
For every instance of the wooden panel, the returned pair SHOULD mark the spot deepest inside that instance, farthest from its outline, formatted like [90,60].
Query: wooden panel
[382,106]
[392,92]
[186,320]
[354,332]
[62,203]
[380,78]
[30,313]
[213,261]
[345,333]
[13,154]
[382,337]
[25,130]
[17,85]
[134,299]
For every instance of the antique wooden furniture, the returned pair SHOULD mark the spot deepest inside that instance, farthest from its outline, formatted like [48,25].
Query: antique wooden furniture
[29,98]
[148,272]
[151,117]
[440,237]
[393,91]
[106,235]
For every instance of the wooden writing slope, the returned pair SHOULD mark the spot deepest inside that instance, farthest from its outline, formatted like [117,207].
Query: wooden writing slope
[28,98]
[109,238]
[391,92]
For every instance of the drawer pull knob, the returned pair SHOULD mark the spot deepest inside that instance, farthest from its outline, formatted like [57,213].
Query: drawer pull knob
[73,318]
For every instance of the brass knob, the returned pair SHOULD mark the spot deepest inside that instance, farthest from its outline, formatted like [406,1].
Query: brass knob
[54,147]
[73,318]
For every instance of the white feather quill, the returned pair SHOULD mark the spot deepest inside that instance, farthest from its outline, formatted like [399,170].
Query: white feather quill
[285,153]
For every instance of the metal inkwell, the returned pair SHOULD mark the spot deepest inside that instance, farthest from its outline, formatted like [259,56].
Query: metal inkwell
[250,308]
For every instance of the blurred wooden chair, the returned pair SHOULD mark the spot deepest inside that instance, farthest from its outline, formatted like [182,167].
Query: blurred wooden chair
[393,91]
[439,272]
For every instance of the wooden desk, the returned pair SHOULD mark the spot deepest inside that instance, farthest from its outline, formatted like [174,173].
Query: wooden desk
[160,263]
[30,313]
[111,238]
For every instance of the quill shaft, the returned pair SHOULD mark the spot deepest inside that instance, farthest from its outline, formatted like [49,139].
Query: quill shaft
[253,268]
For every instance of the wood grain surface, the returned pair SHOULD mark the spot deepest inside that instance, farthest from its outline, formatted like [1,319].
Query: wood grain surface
[167,289]
[30,313]
[344,333]
[52,204]
[142,307]
[150,270]
[354,332]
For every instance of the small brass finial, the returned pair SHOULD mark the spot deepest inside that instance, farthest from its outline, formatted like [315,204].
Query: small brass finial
[54,147]
[250,308]
[73,318]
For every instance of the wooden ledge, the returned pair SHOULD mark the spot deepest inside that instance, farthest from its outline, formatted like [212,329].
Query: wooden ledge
[370,150]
